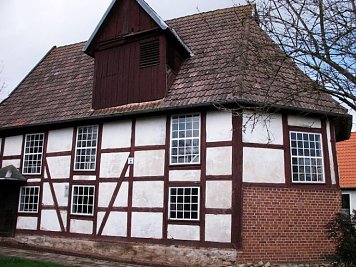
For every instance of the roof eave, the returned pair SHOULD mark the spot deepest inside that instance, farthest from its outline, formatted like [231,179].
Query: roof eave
[343,123]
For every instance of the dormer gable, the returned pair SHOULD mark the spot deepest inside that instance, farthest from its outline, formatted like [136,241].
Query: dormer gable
[137,55]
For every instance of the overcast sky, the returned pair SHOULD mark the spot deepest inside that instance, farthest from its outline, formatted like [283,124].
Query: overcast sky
[29,28]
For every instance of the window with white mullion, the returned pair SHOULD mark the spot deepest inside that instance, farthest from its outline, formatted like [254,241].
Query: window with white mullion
[32,161]
[184,203]
[86,148]
[185,139]
[83,200]
[29,197]
[306,157]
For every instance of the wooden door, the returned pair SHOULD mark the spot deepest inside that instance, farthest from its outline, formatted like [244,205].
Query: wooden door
[9,197]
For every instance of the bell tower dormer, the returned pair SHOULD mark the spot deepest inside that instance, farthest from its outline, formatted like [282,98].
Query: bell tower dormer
[136,55]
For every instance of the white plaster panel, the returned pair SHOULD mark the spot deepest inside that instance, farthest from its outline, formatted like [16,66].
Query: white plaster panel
[218,228]
[149,163]
[84,177]
[26,223]
[116,225]
[331,156]
[150,131]
[99,220]
[218,194]
[59,167]
[60,140]
[262,165]
[49,221]
[15,162]
[304,121]
[262,128]
[185,175]
[112,164]
[81,227]
[219,160]
[60,190]
[116,134]
[218,126]
[0,144]
[13,145]
[148,194]
[147,225]
[122,196]
[183,232]
[106,191]
[64,218]
[34,180]
[352,194]
[47,198]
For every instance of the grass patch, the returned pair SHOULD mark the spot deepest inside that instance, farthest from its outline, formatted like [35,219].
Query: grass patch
[17,262]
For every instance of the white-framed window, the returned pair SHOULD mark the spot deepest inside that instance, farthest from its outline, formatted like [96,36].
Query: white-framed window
[86,146]
[185,139]
[307,157]
[83,199]
[184,203]
[346,204]
[29,198]
[32,158]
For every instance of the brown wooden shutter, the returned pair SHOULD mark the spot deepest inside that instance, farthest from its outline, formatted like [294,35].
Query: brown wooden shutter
[149,53]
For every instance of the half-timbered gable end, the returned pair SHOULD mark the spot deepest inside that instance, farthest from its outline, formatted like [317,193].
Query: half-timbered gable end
[126,145]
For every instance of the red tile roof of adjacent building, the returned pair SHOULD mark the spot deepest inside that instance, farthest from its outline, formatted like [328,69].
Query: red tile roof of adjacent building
[346,154]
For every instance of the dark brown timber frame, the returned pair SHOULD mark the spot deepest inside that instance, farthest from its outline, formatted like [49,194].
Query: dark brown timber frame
[2,151]
[237,191]
[236,210]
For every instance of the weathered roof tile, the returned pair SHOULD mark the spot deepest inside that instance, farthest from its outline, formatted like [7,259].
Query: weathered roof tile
[60,87]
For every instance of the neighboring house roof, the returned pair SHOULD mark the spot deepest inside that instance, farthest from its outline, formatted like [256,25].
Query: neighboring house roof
[346,154]
[224,69]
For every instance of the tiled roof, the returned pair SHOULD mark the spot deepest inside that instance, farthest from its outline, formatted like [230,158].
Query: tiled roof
[226,67]
[346,156]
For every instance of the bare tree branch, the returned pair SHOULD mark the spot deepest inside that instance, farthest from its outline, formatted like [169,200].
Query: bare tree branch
[320,37]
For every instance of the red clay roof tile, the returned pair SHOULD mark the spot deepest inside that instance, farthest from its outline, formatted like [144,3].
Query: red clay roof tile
[346,154]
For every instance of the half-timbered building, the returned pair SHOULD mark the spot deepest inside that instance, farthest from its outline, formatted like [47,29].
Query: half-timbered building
[151,143]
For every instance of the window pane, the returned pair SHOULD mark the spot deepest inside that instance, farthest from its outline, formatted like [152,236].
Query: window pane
[83,200]
[306,157]
[85,158]
[185,139]
[32,161]
[29,196]
[184,203]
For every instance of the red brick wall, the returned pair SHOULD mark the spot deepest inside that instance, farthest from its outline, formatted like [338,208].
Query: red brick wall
[286,224]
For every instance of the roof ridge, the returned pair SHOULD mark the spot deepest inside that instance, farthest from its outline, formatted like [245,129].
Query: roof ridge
[72,44]
[212,12]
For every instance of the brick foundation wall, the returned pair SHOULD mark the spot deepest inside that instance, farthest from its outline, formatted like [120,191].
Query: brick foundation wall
[287,224]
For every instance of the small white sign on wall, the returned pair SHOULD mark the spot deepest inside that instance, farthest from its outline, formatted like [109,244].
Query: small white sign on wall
[130,161]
